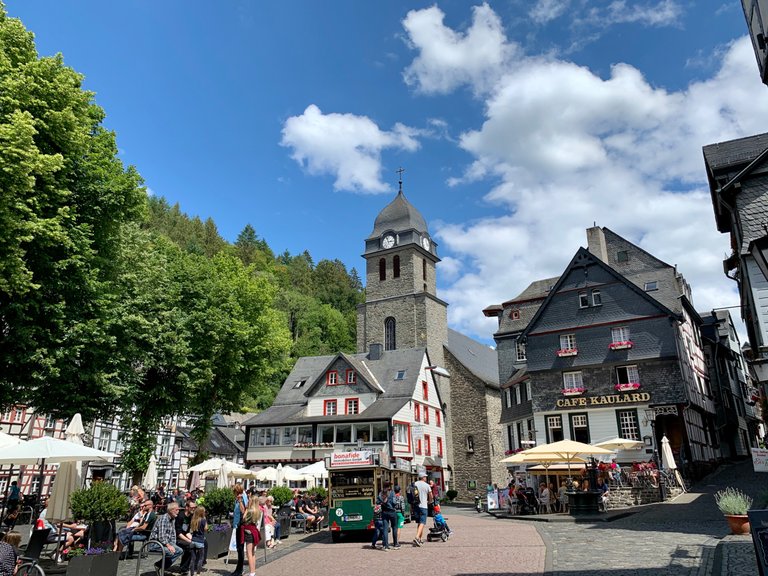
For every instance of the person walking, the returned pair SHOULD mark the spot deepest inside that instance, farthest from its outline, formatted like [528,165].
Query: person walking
[423,497]
[386,500]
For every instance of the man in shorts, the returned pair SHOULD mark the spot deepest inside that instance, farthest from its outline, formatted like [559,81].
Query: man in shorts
[422,497]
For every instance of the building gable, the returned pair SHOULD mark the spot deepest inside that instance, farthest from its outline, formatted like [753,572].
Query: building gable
[342,376]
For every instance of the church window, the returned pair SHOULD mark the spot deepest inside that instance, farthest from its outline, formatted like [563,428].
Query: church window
[382,268]
[351,377]
[396,267]
[390,342]
[329,408]
[470,443]
[424,270]
[332,377]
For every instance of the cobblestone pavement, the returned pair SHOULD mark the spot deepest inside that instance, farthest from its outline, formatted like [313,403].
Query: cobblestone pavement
[687,536]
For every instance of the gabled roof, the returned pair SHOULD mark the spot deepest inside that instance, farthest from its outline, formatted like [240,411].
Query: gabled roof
[217,443]
[290,403]
[479,359]
[582,258]
[364,374]
[518,376]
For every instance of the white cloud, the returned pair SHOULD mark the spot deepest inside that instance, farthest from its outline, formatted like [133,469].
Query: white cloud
[345,146]
[564,147]
[663,13]
[544,11]
[449,59]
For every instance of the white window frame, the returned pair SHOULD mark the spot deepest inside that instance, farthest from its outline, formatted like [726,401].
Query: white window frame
[400,433]
[348,402]
[579,421]
[518,400]
[628,425]
[631,373]
[508,397]
[351,377]
[105,435]
[520,351]
[333,377]
[528,390]
[597,299]
[620,334]
[567,341]
[651,286]
[583,300]
[573,380]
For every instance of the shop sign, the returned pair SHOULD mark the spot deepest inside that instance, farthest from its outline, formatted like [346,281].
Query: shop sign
[589,401]
[356,458]
[760,459]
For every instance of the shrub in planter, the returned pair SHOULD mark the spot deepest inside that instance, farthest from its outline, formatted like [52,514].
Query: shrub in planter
[281,494]
[100,505]
[318,493]
[451,495]
[219,502]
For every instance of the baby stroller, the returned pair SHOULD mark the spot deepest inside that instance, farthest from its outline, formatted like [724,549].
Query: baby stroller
[440,529]
[527,502]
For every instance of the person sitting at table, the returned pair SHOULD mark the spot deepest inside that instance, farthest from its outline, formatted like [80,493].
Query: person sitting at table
[602,485]
[9,552]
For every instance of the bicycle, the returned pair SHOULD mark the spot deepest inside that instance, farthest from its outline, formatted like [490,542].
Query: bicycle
[31,568]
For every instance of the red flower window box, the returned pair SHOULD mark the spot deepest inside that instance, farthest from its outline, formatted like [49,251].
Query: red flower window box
[567,352]
[573,391]
[627,386]
[622,345]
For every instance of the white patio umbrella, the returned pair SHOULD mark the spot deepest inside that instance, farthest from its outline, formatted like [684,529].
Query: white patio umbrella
[279,479]
[268,474]
[316,470]
[222,480]
[668,461]
[290,474]
[68,477]
[210,465]
[8,440]
[620,444]
[51,450]
[150,476]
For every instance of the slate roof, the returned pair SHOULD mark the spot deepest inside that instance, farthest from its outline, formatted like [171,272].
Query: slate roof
[290,403]
[526,303]
[518,376]
[734,152]
[217,443]
[398,215]
[478,358]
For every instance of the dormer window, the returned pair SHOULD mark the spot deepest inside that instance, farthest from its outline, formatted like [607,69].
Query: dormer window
[332,377]
[351,377]
[300,383]
[400,375]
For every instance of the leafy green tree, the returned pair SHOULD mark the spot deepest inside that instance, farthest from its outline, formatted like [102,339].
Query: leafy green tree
[64,195]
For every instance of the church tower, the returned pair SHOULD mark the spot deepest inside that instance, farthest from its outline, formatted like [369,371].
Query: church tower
[401,307]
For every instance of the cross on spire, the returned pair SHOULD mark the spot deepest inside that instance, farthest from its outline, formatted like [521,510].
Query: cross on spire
[400,172]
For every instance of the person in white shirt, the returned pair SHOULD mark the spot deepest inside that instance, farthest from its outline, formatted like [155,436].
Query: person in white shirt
[424,497]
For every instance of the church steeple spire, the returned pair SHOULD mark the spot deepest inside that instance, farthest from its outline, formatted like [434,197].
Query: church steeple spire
[400,181]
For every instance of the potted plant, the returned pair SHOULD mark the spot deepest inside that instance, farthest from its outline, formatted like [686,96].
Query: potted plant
[100,506]
[218,502]
[733,503]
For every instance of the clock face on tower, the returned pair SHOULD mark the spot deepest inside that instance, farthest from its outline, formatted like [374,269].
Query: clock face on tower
[388,241]
[425,243]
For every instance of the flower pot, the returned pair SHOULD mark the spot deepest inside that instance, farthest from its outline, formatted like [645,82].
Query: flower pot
[97,565]
[218,542]
[738,523]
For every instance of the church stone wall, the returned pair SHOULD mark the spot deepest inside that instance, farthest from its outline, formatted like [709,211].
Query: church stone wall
[469,417]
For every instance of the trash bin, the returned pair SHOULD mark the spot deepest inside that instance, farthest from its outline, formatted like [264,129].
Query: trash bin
[284,518]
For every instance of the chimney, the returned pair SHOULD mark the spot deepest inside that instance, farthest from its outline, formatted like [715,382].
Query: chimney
[596,243]
[374,352]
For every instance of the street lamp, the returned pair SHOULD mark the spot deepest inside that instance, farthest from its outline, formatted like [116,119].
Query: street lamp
[650,417]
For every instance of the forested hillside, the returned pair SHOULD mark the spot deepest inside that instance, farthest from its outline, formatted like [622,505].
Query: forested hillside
[317,301]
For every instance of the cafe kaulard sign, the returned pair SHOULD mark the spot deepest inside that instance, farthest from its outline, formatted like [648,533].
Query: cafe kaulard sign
[585,402]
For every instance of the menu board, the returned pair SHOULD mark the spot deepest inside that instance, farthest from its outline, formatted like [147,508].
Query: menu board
[758,524]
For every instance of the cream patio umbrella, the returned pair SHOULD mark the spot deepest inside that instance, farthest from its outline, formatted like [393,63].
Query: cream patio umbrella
[268,474]
[7,440]
[545,460]
[210,465]
[668,461]
[620,444]
[150,476]
[566,450]
[68,476]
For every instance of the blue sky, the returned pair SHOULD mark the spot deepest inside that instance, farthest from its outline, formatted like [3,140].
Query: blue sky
[519,123]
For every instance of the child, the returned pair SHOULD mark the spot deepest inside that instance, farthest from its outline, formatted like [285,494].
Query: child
[399,507]
[440,520]
[378,526]
[197,528]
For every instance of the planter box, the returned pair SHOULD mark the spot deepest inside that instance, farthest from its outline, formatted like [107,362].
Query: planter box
[99,565]
[574,391]
[218,542]
[620,345]
[627,387]
[567,352]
